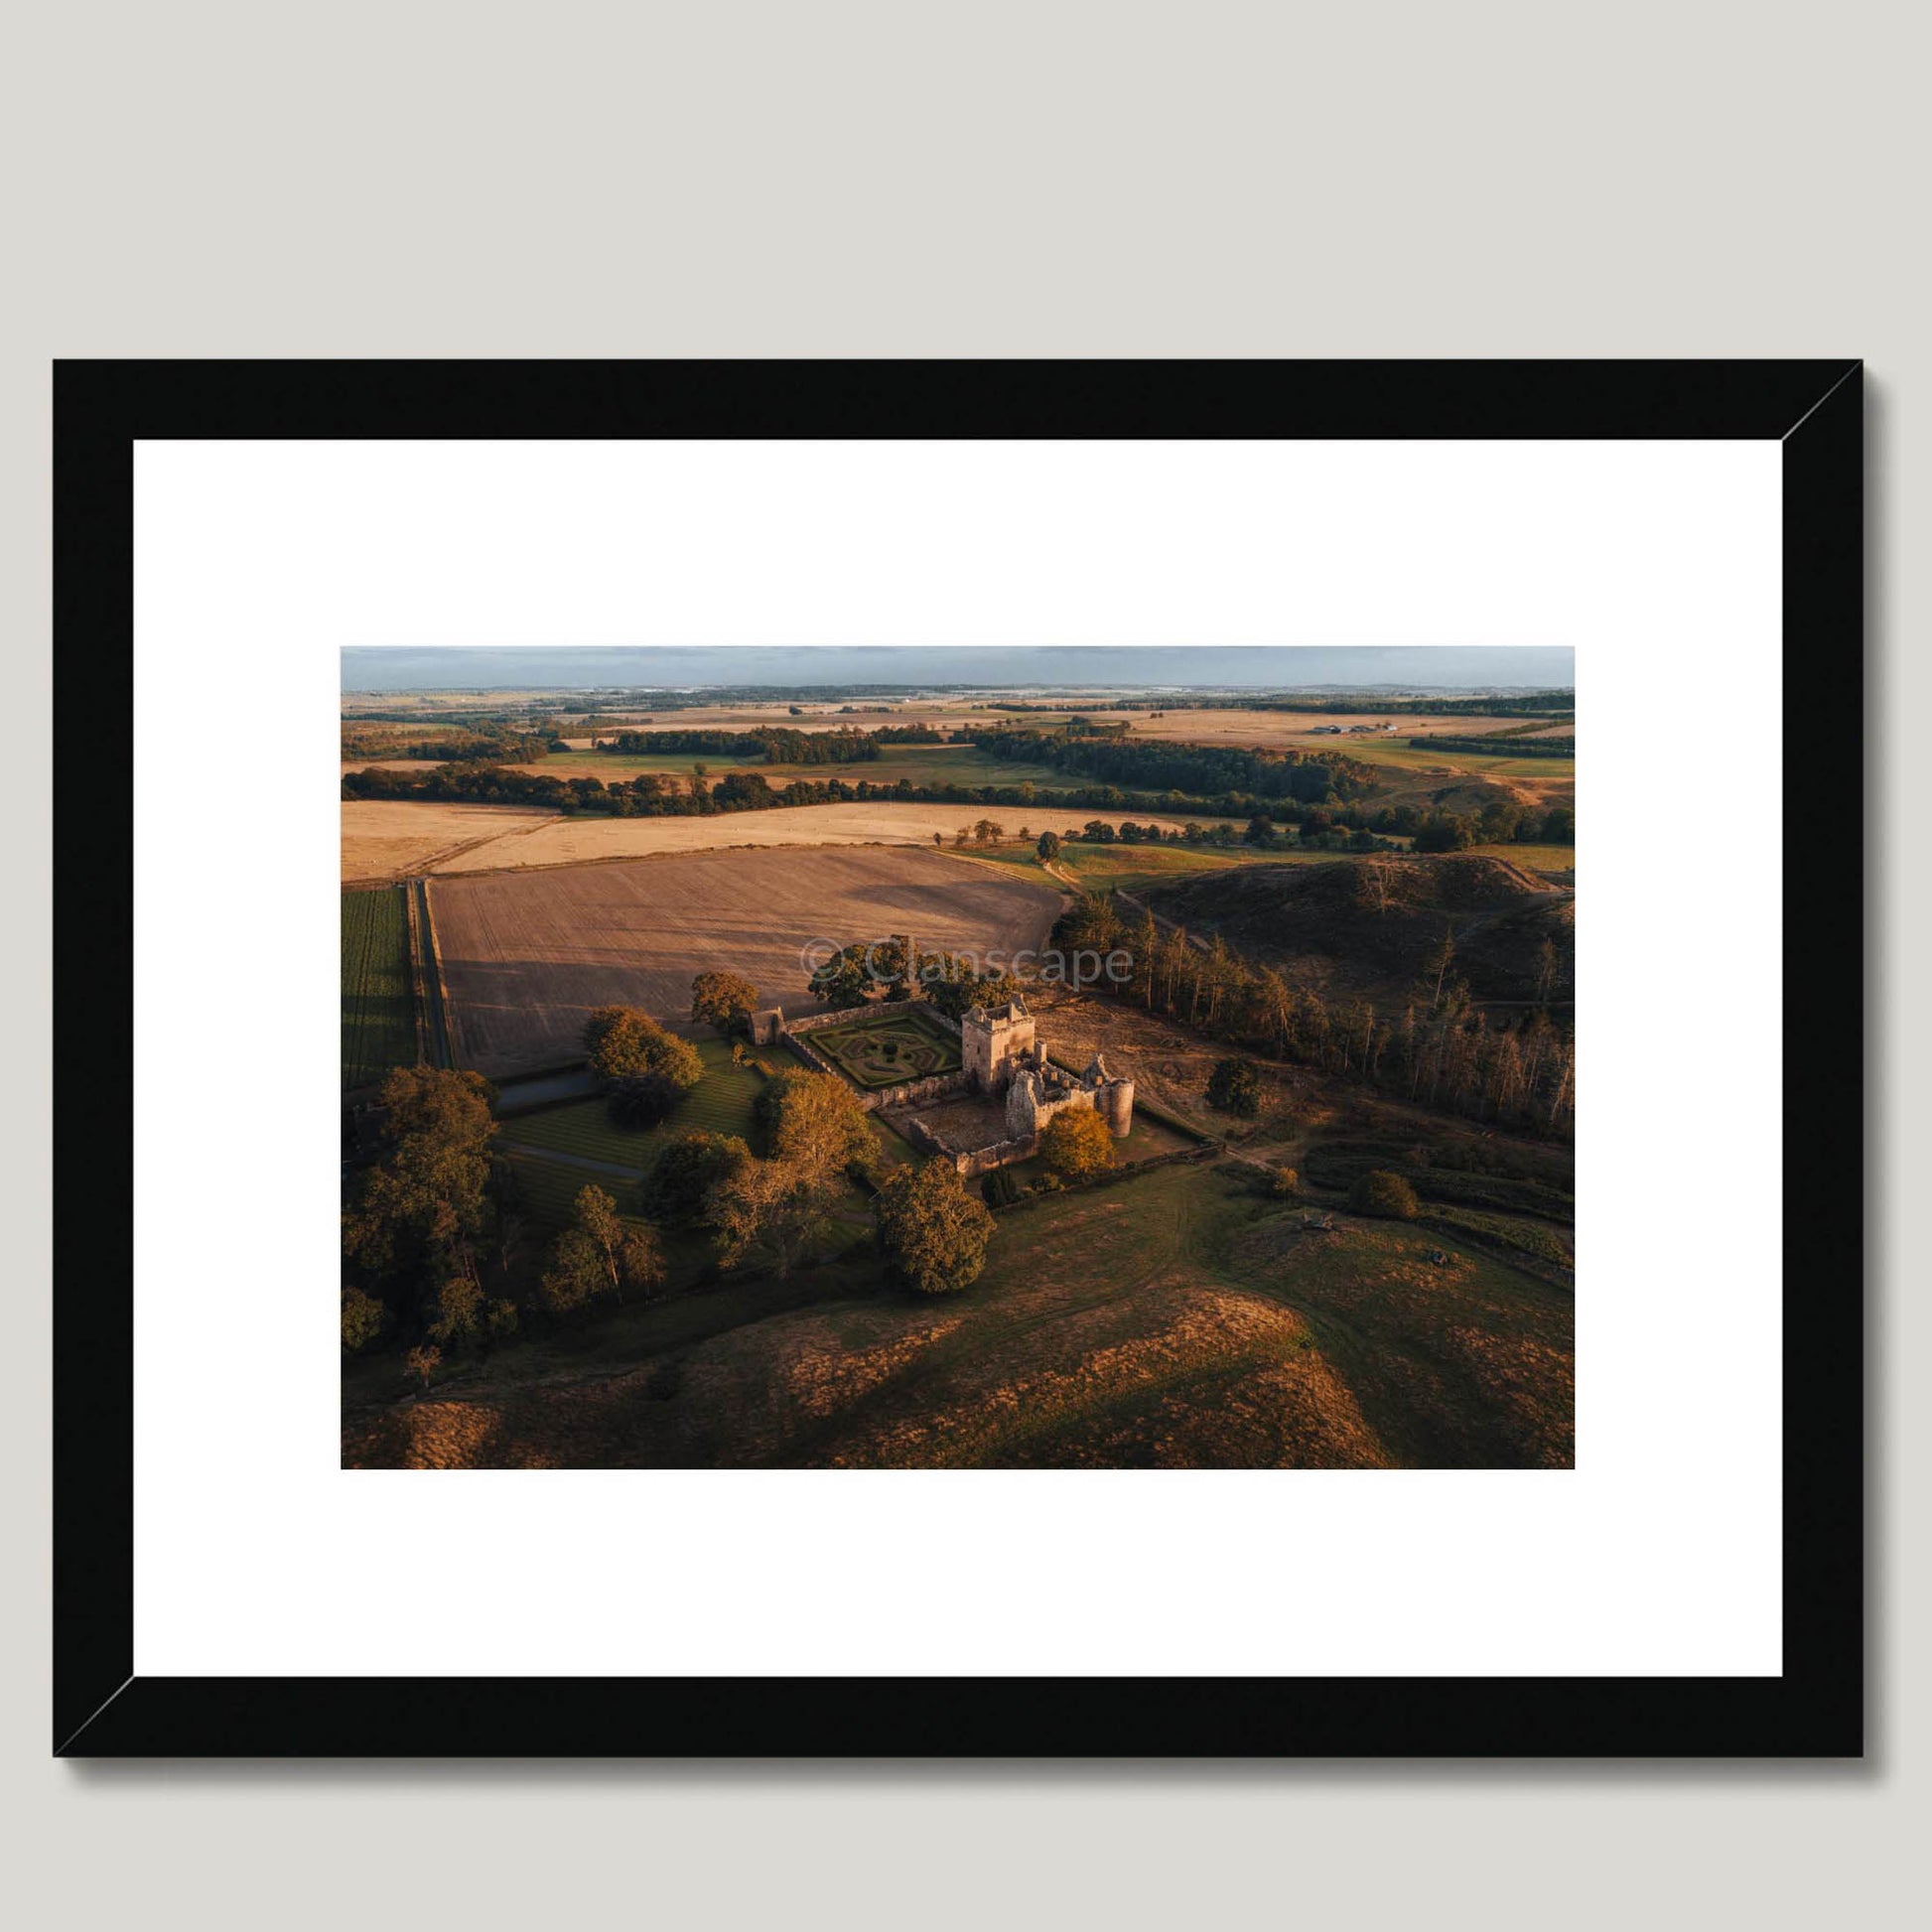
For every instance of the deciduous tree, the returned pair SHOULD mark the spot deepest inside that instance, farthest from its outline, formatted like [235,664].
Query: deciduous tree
[933,1232]
[1077,1142]
[686,1171]
[624,1040]
[783,1205]
[642,1100]
[813,1119]
[363,1319]
[724,999]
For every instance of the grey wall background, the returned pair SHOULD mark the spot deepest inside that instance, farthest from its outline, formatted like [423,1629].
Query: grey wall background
[890,180]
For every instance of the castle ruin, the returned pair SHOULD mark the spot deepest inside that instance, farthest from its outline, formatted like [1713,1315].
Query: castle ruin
[988,1112]
[1001,1051]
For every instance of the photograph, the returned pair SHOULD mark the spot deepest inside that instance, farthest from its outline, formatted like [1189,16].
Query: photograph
[1000,1059]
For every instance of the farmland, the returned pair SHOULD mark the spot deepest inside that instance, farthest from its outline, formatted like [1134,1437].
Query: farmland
[526,956]
[918,765]
[1295,729]
[378,1008]
[386,839]
[582,841]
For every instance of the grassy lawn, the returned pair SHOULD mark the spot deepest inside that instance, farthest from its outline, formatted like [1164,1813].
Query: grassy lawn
[721,1103]
[549,1189]
[378,1006]
[896,1149]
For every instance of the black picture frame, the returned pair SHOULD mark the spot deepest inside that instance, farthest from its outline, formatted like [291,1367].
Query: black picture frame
[1814,409]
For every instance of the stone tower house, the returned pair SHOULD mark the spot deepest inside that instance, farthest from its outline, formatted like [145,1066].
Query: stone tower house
[994,1042]
[999,1048]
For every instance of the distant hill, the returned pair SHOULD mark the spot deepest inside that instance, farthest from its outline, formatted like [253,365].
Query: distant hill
[1370,925]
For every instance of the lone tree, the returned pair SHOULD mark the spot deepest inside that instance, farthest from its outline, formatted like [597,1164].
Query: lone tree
[640,1100]
[689,1168]
[423,1362]
[1234,1088]
[1384,1194]
[1049,846]
[724,999]
[623,1039]
[933,1232]
[599,1254]
[1077,1142]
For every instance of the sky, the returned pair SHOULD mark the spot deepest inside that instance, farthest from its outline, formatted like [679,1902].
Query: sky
[1287,668]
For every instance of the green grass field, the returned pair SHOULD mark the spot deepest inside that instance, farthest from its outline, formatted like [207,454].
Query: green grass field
[888,1046]
[721,1103]
[1397,753]
[378,1006]
[1539,858]
[548,1189]
[1099,867]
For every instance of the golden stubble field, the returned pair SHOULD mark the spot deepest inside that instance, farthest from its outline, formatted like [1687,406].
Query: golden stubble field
[386,838]
[577,841]
[528,955]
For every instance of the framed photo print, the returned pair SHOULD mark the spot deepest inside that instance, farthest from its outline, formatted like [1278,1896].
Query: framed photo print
[989,1059]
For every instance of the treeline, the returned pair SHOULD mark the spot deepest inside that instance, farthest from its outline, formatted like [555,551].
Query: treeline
[1440,1051]
[1529,704]
[1197,770]
[660,795]
[487,742]
[1523,704]
[1506,748]
[776,744]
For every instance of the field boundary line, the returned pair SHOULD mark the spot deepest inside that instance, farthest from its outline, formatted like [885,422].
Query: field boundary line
[416,999]
[445,1018]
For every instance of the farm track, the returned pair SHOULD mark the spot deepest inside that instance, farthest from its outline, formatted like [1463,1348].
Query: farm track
[435,1016]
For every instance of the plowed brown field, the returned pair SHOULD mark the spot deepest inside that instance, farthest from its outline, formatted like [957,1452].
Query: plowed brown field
[528,955]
